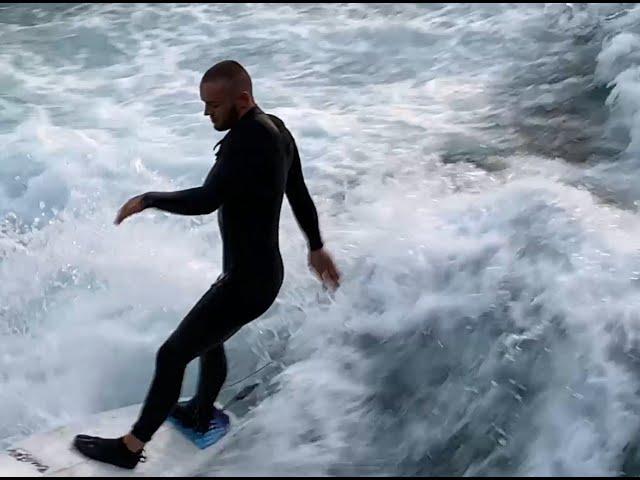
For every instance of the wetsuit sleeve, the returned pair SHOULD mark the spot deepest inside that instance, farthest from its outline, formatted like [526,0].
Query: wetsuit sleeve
[301,202]
[225,177]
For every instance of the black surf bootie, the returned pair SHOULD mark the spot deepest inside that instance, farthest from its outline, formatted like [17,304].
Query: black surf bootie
[194,417]
[108,450]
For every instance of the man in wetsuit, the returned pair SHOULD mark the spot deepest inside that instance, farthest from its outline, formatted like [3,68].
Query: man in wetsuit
[257,164]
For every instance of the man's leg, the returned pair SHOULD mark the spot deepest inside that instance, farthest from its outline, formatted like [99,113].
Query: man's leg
[213,373]
[198,411]
[205,328]
[207,325]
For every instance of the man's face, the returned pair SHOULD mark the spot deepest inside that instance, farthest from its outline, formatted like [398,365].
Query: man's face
[219,105]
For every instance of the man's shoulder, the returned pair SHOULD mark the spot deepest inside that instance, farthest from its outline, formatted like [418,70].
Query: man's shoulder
[267,124]
[278,122]
[262,128]
[281,126]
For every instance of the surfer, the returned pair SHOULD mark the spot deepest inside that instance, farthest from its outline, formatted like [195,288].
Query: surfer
[257,164]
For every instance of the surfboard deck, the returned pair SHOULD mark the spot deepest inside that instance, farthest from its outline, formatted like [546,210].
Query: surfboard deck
[170,452]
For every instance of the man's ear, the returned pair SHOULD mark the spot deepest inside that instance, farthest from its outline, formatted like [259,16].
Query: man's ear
[245,98]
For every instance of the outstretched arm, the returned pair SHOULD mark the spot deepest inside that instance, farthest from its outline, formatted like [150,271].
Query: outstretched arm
[225,177]
[192,201]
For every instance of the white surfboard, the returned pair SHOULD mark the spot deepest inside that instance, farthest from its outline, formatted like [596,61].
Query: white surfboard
[51,454]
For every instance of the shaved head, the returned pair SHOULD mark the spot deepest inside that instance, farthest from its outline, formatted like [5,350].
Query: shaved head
[227,93]
[231,72]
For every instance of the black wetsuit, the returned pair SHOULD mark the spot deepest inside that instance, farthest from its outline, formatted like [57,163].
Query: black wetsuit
[257,164]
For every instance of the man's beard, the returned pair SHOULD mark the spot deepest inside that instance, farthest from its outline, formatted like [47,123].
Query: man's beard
[232,118]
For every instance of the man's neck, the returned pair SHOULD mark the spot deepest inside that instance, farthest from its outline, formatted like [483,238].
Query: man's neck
[247,109]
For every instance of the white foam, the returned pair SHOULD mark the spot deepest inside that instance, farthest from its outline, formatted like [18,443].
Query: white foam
[484,290]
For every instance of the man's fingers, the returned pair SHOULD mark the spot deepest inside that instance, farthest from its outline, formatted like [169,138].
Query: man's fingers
[330,280]
[122,214]
[326,271]
[335,272]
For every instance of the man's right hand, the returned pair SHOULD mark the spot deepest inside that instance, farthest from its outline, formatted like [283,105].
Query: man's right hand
[322,264]
[134,205]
